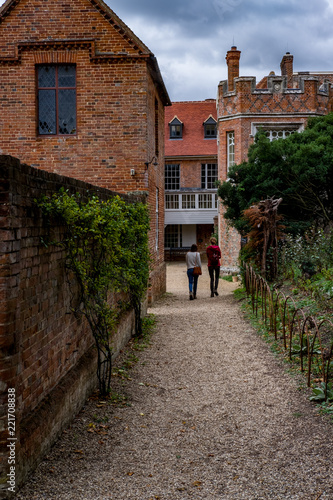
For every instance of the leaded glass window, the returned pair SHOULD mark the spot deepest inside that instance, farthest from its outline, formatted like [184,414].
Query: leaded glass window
[231,149]
[56,100]
[273,135]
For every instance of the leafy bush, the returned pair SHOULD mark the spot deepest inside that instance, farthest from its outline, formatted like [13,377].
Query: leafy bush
[106,246]
[319,393]
[305,256]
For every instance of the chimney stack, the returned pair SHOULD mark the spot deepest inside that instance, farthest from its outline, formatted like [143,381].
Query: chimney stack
[232,59]
[287,69]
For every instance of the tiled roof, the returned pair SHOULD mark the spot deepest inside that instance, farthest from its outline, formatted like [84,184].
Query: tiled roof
[192,114]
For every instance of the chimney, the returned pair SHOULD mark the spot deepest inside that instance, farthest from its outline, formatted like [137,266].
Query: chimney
[287,68]
[232,58]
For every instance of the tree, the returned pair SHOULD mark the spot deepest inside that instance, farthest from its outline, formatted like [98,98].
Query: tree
[298,169]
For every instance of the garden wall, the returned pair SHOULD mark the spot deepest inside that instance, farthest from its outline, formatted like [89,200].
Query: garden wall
[47,355]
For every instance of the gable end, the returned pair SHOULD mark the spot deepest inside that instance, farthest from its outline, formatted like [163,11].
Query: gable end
[110,16]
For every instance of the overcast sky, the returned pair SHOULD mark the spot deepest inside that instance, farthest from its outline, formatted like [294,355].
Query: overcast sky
[190,38]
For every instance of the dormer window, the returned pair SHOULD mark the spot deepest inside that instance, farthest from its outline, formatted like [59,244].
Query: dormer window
[176,128]
[210,128]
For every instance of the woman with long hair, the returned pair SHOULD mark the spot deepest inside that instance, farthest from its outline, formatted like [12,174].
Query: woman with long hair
[193,260]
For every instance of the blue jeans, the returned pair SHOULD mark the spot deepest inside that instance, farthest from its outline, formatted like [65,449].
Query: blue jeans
[192,281]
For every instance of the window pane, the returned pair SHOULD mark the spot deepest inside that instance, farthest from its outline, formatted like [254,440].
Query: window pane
[66,76]
[205,201]
[188,201]
[56,101]
[172,176]
[67,111]
[278,134]
[172,201]
[203,176]
[211,175]
[47,112]
[172,236]
[231,149]
[208,175]
[46,76]
[210,130]
[175,131]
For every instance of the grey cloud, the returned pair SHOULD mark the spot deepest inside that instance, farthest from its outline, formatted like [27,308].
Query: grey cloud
[190,38]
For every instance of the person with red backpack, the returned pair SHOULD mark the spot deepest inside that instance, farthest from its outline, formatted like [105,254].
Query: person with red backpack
[214,255]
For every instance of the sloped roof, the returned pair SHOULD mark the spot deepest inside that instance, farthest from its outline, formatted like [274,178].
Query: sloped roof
[104,10]
[128,35]
[192,114]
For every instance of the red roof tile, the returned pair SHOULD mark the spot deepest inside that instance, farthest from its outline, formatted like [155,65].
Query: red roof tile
[192,114]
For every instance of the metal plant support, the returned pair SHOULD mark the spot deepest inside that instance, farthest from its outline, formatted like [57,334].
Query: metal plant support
[290,324]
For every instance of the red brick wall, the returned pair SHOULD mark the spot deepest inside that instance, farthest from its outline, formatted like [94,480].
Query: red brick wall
[155,189]
[116,95]
[204,233]
[41,342]
[190,173]
[229,242]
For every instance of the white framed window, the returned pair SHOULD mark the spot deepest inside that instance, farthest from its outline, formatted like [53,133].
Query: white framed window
[273,135]
[172,201]
[188,201]
[208,175]
[206,200]
[275,130]
[230,149]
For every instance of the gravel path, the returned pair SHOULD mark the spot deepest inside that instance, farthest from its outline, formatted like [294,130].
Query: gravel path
[212,415]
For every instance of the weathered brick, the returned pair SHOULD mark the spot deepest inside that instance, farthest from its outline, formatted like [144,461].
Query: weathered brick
[119,126]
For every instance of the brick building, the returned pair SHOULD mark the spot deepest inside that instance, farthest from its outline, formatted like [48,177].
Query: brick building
[279,104]
[190,175]
[82,96]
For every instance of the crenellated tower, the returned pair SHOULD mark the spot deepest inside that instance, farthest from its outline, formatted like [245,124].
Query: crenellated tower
[278,104]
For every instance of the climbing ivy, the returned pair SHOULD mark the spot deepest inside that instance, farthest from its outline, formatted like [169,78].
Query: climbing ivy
[106,245]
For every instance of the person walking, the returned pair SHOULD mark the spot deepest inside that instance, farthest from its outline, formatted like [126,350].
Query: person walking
[214,254]
[193,260]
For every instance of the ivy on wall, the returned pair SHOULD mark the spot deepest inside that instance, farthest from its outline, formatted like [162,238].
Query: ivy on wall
[106,247]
